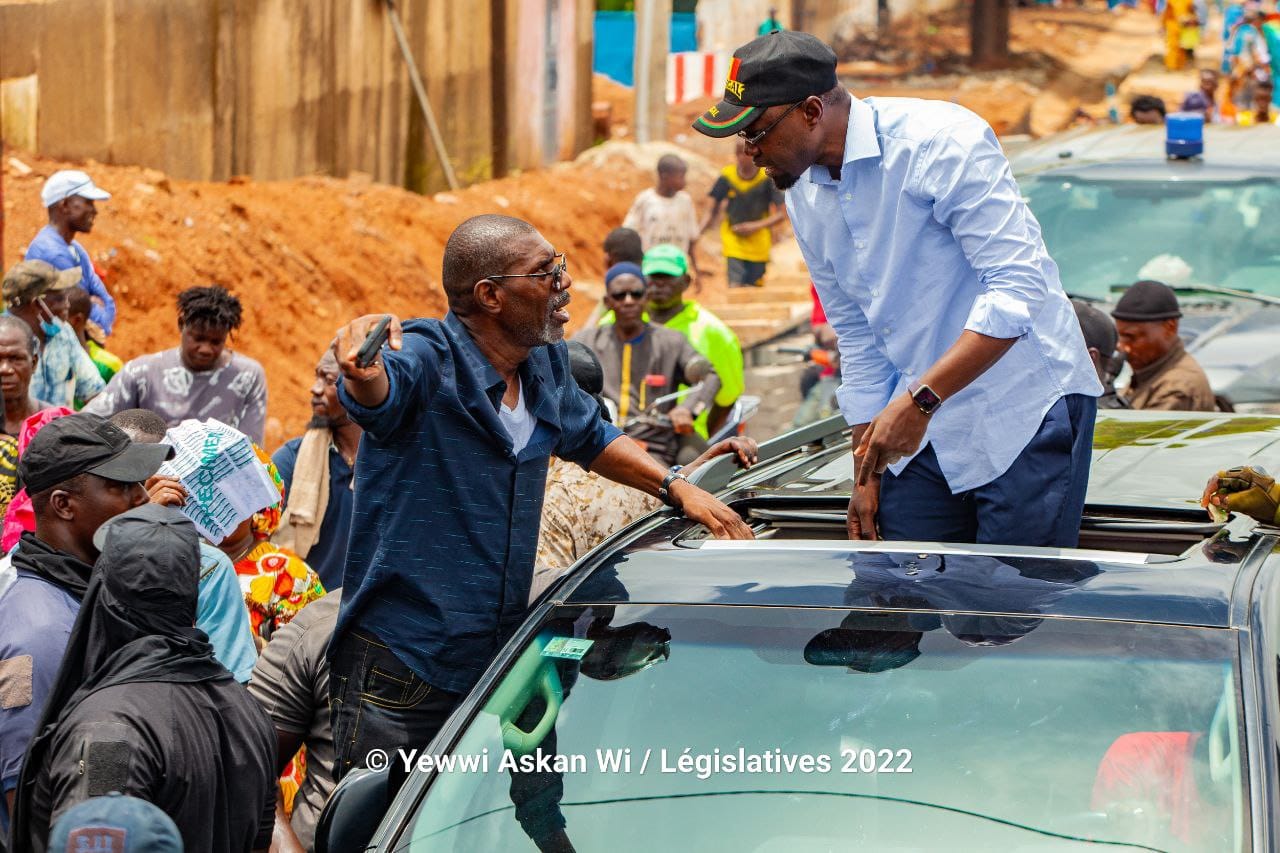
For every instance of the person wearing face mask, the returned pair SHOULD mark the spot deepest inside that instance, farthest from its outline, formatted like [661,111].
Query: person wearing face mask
[36,293]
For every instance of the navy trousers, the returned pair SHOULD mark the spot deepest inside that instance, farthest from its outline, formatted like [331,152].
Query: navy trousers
[1038,501]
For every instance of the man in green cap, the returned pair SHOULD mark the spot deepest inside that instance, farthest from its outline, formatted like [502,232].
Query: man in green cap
[666,269]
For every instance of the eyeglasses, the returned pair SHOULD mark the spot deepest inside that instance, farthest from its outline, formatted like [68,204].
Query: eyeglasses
[556,273]
[756,138]
[624,295]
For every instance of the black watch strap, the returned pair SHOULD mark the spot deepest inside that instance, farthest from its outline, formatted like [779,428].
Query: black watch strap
[664,491]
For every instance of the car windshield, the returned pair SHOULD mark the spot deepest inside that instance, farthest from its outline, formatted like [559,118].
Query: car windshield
[1104,233]
[798,729]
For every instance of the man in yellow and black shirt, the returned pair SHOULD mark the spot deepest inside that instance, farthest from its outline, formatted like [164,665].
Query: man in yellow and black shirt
[752,206]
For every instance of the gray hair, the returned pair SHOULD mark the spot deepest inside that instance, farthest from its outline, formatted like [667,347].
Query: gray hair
[20,327]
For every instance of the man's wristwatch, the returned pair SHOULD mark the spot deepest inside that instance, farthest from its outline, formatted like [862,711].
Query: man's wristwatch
[925,398]
[664,491]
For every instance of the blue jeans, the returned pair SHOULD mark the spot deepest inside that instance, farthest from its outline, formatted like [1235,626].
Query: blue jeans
[376,702]
[1038,501]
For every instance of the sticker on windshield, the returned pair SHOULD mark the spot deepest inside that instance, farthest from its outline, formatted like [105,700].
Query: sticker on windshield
[569,648]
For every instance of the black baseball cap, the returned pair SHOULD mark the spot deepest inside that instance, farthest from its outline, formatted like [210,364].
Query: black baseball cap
[1099,332]
[87,444]
[779,68]
[1147,301]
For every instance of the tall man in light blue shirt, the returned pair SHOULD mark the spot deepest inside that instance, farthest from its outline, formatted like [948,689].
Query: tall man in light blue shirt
[965,375]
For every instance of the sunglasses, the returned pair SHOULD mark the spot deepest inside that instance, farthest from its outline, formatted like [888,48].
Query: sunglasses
[624,295]
[755,139]
[556,273]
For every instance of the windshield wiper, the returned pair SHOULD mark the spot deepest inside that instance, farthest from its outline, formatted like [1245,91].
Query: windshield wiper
[1216,289]
[1228,291]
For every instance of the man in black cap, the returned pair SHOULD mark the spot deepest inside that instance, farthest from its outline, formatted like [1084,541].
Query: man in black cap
[1165,376]
[1100,339]
[962,364]
[141,706]
[80,471]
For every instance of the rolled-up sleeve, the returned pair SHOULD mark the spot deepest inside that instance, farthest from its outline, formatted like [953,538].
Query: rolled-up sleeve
[408,371]
[867,376]
[964,174]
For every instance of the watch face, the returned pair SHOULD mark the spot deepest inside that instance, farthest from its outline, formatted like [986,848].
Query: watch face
[926,399]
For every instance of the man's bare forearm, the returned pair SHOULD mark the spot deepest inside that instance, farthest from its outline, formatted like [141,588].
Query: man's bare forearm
[858,430]
[969,357]
[625,462]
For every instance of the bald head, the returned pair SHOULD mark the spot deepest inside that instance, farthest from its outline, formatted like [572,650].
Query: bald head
[479,247]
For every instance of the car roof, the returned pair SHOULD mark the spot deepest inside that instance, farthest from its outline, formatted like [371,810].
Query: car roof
[1008,581]
[1153,464]
[1136,152]
[1143,460]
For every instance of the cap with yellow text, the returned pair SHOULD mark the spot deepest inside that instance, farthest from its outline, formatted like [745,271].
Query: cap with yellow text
[778,68]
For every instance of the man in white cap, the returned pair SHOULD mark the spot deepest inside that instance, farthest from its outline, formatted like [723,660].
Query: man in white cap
[69,196]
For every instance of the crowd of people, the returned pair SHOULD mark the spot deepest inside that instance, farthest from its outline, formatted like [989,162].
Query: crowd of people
[1241,88]
[232,680]
[127,634]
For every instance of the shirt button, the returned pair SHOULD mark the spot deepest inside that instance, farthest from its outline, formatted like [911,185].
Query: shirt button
[875,292]
[860,244]
[886,330]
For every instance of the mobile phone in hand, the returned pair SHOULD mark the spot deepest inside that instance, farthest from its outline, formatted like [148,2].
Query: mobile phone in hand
[373,342]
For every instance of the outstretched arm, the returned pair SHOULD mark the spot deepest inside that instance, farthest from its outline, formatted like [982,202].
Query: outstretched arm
[624,462]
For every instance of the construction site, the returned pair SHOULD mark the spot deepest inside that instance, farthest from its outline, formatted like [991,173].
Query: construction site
[307,182]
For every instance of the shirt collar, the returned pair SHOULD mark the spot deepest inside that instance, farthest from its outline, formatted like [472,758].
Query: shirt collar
[473,358]
[860,140]
[534,370]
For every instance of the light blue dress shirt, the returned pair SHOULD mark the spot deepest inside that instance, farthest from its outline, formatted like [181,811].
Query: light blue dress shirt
[926,235]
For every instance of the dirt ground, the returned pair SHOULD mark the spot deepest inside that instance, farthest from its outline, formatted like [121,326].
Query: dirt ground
[306,255]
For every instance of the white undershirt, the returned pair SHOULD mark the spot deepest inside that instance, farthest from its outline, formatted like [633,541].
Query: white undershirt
[518,422]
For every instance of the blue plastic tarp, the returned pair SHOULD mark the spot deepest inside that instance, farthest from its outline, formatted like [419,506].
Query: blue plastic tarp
[613,54]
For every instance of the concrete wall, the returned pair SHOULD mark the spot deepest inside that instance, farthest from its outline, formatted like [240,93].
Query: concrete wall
[207,89]
[728,24]
[524,94]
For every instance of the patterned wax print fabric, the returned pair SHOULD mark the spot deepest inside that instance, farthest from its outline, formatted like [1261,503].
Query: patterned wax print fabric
[8,470]
[276,582]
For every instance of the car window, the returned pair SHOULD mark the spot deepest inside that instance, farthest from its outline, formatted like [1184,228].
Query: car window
[784,729]
[1105,233]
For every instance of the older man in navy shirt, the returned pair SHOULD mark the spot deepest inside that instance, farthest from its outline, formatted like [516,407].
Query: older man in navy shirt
[461,416]
[964,373]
